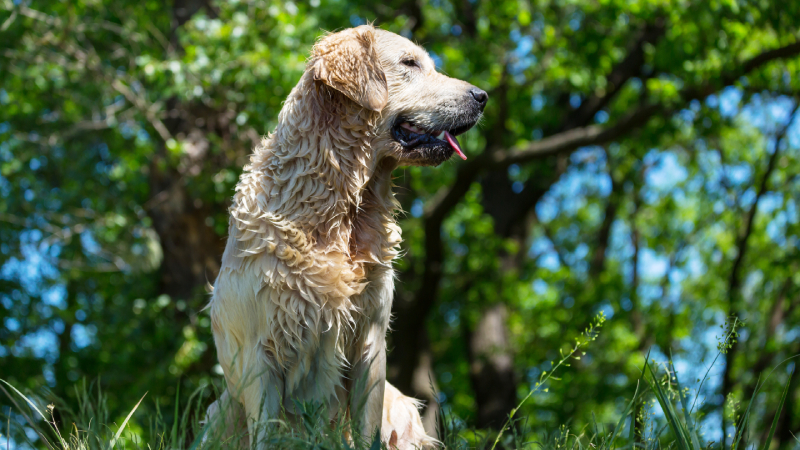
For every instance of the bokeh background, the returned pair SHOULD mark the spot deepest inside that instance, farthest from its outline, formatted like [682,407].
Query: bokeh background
[638,158]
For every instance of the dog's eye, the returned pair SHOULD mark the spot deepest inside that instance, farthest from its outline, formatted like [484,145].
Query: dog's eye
[410,62]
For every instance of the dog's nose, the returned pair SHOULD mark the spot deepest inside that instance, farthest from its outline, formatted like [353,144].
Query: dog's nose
[480,96]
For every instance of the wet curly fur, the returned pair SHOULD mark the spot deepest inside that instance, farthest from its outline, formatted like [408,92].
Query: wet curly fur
[301,305]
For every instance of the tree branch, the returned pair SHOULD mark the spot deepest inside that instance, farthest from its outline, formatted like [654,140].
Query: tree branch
[567,141]
[741,246]
[570,140]
[744,236]
[573,139]
[598,260]
[730,77]
[629,67]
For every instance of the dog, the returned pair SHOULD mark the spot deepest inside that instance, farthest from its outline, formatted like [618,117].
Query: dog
[401,424]
[302,302]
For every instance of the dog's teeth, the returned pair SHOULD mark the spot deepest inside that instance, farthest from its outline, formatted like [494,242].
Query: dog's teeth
[415,129]
[411,128]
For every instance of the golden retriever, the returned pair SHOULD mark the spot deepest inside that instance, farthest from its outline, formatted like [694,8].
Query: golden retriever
[301,305]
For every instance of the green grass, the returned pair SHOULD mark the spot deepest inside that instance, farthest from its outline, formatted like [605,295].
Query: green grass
[91,428]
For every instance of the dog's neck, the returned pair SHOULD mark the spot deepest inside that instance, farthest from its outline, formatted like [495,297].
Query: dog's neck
[316,173]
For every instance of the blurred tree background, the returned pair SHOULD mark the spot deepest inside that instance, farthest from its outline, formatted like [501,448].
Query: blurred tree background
[637,157]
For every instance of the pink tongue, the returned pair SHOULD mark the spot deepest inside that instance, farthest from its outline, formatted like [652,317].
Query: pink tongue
[454,143]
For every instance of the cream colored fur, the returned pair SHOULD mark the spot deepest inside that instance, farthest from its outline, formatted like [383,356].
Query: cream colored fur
[401,425]
[301,305]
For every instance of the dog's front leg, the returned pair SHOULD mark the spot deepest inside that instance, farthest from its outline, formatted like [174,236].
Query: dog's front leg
[262,402]
[240,316]
[366,394]
[252,383]
[368,374]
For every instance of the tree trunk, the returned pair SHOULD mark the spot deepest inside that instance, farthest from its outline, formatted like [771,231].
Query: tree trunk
[424,387]
[192,250]
[491,368]
[491,357]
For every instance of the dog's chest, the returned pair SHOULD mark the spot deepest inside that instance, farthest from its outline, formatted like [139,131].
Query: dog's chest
[320,364]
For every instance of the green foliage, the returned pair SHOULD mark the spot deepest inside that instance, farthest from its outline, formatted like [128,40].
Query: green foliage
[90,429]
[124,126]
[574,353]
[312,429]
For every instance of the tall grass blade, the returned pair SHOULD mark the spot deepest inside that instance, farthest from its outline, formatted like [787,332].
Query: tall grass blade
[376,443]
[759,385]
[740,429]
[125,422]
[621,423]
[632,431]
[176,420]
[687,418]
[199,439]
[27,419]
[669,411]
[778,413]
[187,413]
[32,405]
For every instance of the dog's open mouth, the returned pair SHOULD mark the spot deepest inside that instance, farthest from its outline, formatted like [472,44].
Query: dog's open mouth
[411,136]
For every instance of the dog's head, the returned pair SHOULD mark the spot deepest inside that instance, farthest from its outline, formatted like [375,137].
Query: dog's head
[420,110]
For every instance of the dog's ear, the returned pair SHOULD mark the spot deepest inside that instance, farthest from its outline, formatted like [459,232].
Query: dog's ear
[348,62]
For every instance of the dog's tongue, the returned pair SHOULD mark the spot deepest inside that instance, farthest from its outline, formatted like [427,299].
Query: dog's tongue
[454,143]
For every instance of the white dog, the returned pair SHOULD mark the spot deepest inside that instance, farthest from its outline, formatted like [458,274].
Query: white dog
[301,305]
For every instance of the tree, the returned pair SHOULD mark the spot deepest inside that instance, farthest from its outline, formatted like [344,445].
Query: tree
[635,157]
